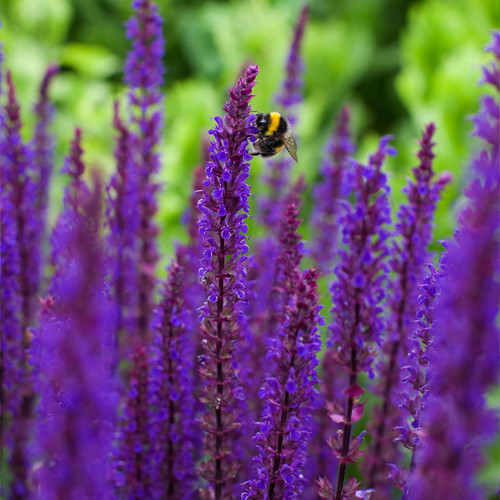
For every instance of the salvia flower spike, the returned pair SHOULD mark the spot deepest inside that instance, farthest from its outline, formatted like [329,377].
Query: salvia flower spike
[224,208]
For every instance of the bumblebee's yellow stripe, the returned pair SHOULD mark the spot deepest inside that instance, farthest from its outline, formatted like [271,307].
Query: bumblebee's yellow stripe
[273,123]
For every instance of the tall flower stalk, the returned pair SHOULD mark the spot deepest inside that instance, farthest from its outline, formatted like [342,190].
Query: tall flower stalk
[415,395]
[173,427]
[278,172]
[71,352]
[456,420]
[144,76]
[21,265]
[413,233]
[135,192]
[329,192]
[43,147]
[224,207]
[288,392]
[124,222]
[357,291]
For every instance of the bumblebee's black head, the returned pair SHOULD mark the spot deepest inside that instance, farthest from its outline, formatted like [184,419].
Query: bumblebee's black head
[262,122]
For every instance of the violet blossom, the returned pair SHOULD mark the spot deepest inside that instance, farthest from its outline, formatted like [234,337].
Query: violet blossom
[43,148]
[71,353]
[21,264]
[123,220]
[465,363]
[172,426]
[144,75]
[224,207]
[414,373]
[412,235]
[136,190]
[357,292]
[278,171]
[288,391]
[329,191]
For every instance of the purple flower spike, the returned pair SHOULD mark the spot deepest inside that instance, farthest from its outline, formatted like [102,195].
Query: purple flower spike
[144,74]
[291,92]
[285,425]
[222,268]
[43,146]
[328,193]
[356,295]
[413,234]
[465,363]
[131,473]
[20,256]
[123,219]
[278,172]
[173,429]
[19,187]
[415,397]
[71,354]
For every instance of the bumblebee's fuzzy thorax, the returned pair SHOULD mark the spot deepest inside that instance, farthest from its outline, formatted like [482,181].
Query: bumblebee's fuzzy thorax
[273,135]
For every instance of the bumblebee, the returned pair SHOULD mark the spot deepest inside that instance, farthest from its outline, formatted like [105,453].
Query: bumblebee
[273,135]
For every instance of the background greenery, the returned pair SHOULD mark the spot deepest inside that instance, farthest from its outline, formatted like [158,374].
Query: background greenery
[398,63]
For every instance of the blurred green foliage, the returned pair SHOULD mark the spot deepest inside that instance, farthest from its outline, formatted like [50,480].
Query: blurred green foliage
[397,63]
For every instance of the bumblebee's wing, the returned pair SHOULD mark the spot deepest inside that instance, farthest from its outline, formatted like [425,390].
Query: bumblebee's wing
[290,145]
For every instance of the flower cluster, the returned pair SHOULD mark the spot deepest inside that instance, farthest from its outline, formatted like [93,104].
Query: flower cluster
[224,208]
[172,426]
[71,352]
[412,235]
[329,192]
[23,190]
[219,388]
[284,427]
[356,295]
[455,418]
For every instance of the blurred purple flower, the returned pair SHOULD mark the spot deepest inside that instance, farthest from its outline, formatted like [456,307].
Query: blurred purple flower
[123,219]
[43,147]
[465,361]
[224,209]
[412,235]
[173,430]
[144,75]
[329,191]
[132,208]
[289,393]
[357,291]
[20,254]
[277,175]
[71,353]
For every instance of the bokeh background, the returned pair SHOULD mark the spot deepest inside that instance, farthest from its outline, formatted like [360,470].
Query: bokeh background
[397,63]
